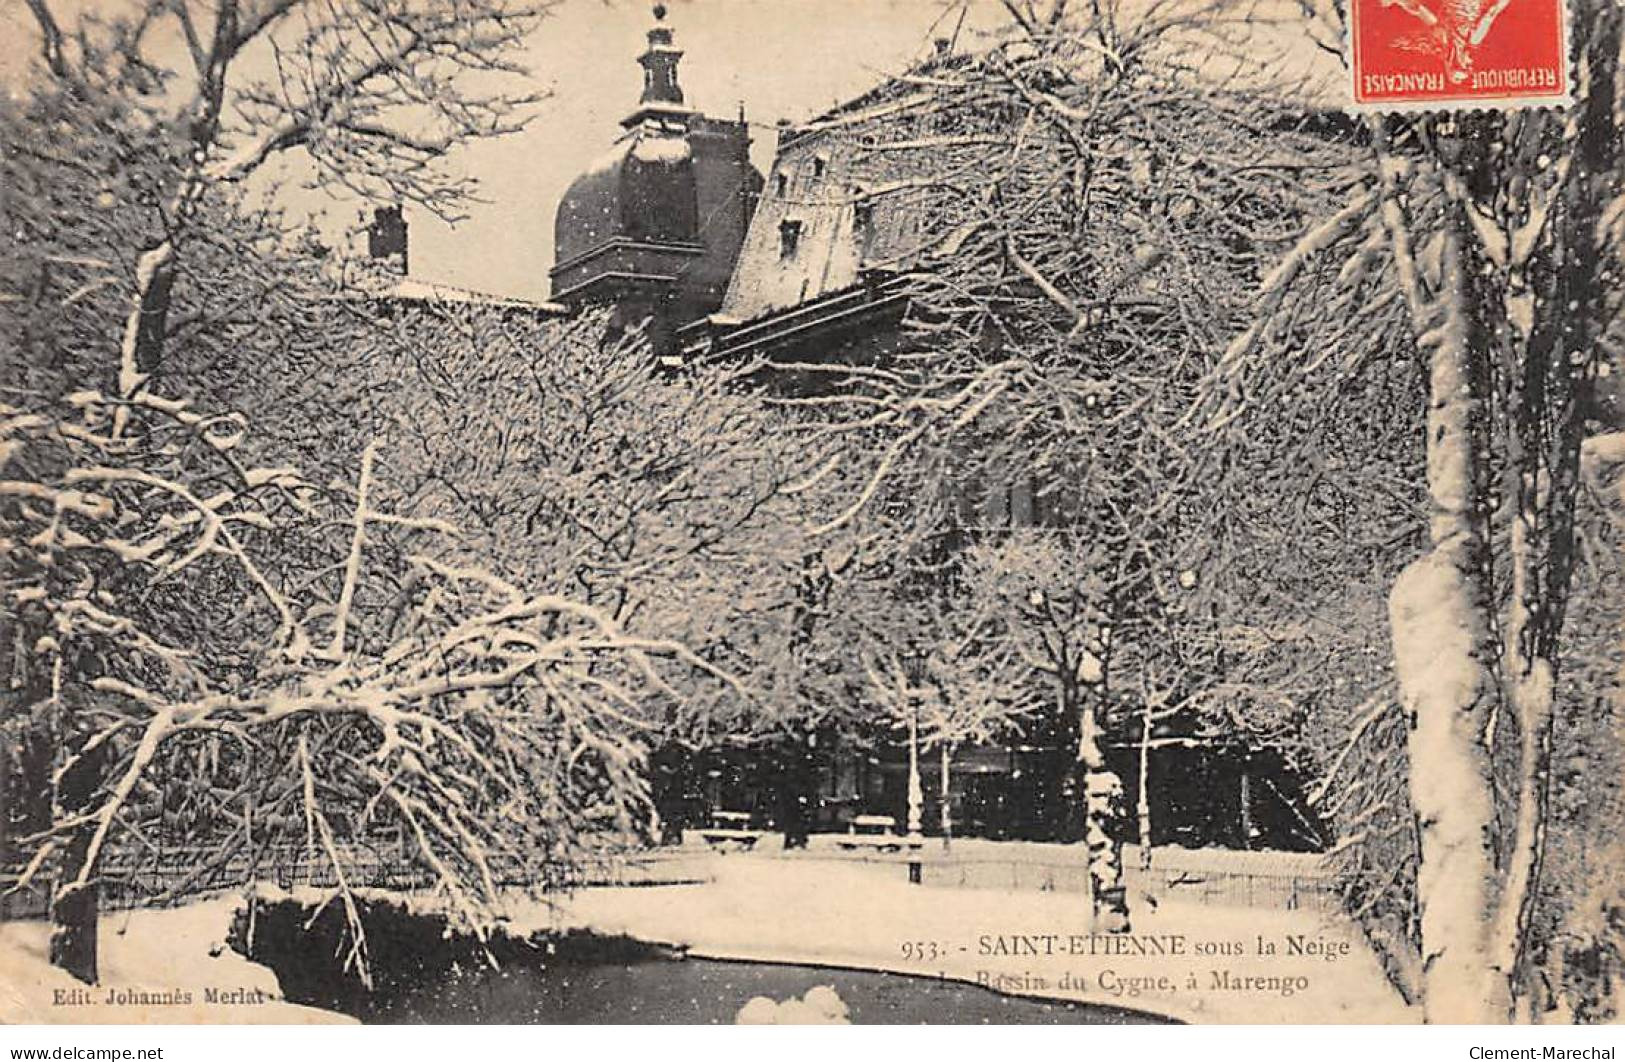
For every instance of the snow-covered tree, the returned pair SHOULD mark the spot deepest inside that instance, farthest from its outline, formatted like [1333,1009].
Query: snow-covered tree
[177,588]
[673,501]
[1499,234]
[938,667]
[368,97]
[296,667]
[1090,207]
[1054,598]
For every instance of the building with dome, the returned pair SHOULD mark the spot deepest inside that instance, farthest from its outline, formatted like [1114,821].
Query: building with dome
[653,228]
[674,231]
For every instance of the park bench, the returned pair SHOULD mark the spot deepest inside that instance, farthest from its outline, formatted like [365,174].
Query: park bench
[730,830]
[874,833]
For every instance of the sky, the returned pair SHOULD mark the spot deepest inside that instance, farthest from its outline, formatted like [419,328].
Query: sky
[779,59]
[787,59]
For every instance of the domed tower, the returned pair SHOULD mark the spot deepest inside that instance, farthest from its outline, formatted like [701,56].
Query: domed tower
[653,227]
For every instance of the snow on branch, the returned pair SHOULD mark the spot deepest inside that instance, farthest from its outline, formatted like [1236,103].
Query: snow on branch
[490,724]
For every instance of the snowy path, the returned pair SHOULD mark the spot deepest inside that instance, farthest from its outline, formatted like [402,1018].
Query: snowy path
[819,911]
[865,915]
[163,967]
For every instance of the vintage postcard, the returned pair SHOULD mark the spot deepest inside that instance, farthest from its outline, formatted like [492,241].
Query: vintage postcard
[812,512]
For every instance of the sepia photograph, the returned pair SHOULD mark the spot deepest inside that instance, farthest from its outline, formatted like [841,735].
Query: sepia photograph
[812,512]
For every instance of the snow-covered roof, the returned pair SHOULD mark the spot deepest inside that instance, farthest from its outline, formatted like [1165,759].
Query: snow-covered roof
[663,149]
[410,289]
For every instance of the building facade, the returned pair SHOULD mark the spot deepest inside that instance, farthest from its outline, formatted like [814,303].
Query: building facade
[653,228]
[678,234]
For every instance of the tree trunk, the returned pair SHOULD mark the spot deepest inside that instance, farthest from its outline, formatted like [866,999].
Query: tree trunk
[1548,358]
[1143,804]
[796,795]
[141,349]
[1103,807]
[75,912]
[1444,654]
[947,796]
[914,809]
[1246,807]
[75,908]
[1064,805]
[1529,670]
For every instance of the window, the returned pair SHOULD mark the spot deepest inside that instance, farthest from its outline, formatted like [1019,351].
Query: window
[781,184]
[789,238]
[863,217]
[1009,503]
[996,506]
[1021,503]
[819,162]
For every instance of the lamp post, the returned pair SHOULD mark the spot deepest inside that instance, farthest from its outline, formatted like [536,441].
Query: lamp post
[914,672]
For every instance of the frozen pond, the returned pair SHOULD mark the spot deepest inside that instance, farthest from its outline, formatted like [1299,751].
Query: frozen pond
[423,974]
[702,991]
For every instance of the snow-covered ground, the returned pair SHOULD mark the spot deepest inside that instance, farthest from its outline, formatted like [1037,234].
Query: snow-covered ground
[865,915]
[1196,962]
[162,967]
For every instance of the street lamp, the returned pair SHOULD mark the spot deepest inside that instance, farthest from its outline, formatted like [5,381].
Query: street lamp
[914,673]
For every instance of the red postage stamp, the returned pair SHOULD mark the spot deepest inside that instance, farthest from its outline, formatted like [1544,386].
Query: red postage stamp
[1458,53]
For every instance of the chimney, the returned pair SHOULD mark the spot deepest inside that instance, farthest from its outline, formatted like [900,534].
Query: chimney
[386,238]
